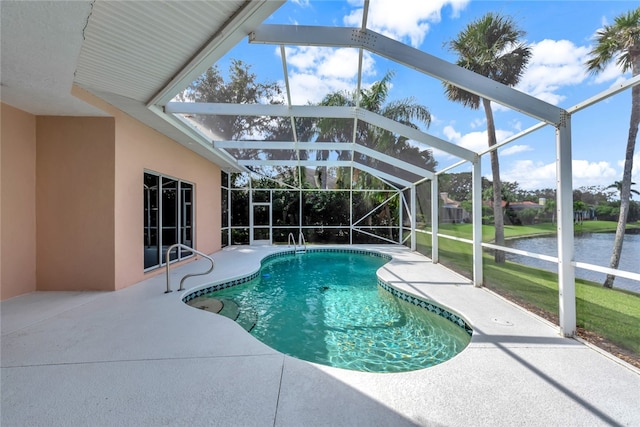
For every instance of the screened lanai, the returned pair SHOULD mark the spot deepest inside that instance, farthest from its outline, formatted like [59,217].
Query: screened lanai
[343,172]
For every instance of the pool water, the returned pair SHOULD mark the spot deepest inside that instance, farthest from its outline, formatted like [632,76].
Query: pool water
[326,307]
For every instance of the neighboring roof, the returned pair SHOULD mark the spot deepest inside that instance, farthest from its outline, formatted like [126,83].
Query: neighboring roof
[448,201]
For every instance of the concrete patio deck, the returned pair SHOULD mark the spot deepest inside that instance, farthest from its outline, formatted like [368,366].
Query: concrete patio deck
[140,357]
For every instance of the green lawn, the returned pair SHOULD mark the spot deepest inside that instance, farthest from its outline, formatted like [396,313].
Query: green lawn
[511,231]
[611,313]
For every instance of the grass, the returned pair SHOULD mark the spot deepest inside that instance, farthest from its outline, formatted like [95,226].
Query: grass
[515,231]
[612,314]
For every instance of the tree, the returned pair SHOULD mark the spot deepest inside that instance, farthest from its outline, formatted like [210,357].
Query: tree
[550,209]
[621,41]
[490,46]
[242,87]
[374,98]
[508,196]
[579,208]
[618,186]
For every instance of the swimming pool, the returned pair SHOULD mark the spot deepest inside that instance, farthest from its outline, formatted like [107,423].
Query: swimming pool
[326,307]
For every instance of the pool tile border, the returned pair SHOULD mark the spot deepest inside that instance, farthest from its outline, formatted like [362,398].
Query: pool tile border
[219,286]
[426,304]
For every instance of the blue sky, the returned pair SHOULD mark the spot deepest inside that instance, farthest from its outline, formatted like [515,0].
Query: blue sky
[560,34]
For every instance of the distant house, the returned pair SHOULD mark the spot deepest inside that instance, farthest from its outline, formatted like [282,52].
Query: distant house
[451,211]
[518,206]
[511,209]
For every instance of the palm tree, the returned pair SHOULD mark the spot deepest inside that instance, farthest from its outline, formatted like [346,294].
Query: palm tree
[490,46]
[621,41]
[374,98]
[618,186]
[579,207]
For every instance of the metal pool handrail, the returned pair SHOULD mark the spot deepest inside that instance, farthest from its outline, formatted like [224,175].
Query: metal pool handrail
[180,245]
[301,242]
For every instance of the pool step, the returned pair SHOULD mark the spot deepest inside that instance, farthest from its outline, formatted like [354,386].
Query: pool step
[208,304]
[245,318]
[228,308]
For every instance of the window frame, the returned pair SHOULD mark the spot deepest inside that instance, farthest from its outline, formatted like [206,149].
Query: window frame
[181,227]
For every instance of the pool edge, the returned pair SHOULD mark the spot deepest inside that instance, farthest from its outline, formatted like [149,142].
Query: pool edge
[424,303]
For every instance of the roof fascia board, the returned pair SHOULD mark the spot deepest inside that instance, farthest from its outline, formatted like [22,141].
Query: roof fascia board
[250,15]
[300,35]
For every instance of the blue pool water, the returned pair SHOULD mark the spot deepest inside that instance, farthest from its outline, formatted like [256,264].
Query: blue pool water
[326,307]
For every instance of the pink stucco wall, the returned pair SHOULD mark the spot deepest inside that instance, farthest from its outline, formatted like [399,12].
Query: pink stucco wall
[139,148]
[71,201]
[74,193]
[17,202]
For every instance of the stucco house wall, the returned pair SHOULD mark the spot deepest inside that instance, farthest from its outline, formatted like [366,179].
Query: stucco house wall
[17,202]
[71,205]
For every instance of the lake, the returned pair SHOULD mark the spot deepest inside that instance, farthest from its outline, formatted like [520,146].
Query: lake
[592,248]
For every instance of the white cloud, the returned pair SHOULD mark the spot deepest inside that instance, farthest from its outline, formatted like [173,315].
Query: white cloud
[553,65]
[474,141]
[515,149]
[478,123]
[451,134]
[403,19]
[317,71]
[587,173]
[328,61]
[532,176]
[309,87]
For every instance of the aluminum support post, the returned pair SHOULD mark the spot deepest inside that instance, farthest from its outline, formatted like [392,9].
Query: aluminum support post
[414,222]
[564,206]
[476,194]
[435,219]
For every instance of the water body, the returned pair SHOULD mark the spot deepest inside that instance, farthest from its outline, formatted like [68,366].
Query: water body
[592,248]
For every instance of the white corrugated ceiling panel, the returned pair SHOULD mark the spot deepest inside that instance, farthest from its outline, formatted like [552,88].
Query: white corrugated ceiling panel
[133,48]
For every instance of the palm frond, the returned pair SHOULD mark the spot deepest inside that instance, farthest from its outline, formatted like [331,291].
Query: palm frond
[489,46]
[621,40]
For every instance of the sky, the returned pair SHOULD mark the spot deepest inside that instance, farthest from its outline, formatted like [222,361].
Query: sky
[560,35]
